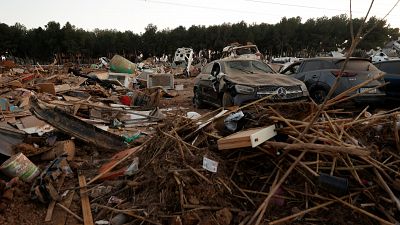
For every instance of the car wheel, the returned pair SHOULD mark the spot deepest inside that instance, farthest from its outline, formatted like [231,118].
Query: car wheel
[227,100]
[318,95]
[197,101]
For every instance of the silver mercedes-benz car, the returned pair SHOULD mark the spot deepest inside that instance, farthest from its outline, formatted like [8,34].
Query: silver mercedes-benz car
[235,81]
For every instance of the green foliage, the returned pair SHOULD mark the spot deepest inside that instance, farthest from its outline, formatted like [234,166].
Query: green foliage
[288,37]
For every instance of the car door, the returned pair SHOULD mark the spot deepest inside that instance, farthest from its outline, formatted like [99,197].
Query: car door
[392,70]
[317,74]
[308,72]
[213,90]
[207,83]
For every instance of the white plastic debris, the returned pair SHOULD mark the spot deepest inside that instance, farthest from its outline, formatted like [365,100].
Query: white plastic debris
[232,120]
[193,115]
[210,165]
[134,167]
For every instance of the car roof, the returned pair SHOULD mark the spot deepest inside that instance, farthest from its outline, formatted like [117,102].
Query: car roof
[235,59]
[387,61]
[335,59]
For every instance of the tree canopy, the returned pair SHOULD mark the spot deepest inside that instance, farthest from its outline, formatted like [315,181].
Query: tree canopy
[288,37]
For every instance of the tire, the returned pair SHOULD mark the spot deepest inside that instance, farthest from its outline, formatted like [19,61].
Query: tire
[227,100]
[318,95]
[197,102]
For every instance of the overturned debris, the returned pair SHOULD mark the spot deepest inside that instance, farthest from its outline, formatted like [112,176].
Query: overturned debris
[76,127]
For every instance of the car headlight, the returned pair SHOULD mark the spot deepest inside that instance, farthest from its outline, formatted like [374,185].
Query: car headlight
[303,87]
[244,89]
[304,90]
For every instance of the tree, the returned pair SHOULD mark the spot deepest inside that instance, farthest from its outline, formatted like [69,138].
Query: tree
[288,37]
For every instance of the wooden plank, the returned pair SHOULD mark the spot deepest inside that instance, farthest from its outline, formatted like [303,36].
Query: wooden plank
[86,211]
[60,215]
[47,88]
[50,210]
[262,136]
[247,138]
[31,121]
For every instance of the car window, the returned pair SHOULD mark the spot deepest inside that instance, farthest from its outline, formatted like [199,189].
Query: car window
[292,70]
[262,66]
[358,65]
[208,68]
[242,65]
[390,67]
[216,69]
[317,65]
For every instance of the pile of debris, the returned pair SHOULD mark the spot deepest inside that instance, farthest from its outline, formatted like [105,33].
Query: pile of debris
[84,147]
[188,176]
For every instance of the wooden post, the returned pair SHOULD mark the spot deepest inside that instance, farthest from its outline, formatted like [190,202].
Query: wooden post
[86,211]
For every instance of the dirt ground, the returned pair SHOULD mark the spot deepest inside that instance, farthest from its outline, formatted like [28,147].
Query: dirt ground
[184,98]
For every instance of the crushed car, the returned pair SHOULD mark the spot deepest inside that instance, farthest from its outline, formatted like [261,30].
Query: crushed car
[183,58]
[243,51]
[235,81]
[319,75]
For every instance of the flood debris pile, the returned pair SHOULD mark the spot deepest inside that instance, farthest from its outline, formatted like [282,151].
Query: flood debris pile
[343,166]
[90,150]
[53,117]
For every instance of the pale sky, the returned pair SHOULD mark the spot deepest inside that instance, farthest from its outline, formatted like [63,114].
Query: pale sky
[134,15]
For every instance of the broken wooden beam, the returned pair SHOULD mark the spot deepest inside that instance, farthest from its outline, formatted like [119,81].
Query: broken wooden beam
[86,210]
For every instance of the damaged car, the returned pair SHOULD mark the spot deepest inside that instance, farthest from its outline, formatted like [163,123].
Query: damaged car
[319,74]
[227,82]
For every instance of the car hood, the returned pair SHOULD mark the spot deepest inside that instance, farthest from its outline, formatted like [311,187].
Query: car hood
[258,80]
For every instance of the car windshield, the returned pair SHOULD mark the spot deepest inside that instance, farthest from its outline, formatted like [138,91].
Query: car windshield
[246,50]
[249,66]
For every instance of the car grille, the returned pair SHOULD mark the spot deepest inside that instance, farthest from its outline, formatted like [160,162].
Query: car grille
[281,92]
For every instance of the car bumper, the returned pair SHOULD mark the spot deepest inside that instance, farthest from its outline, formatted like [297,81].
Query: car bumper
[378,98]
[240,99]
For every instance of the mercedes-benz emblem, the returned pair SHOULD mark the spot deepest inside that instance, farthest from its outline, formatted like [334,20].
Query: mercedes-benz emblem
[281,92]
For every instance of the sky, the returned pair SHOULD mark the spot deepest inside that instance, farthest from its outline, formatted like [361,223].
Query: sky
[135,15]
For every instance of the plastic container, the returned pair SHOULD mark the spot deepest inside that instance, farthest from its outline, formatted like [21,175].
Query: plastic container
[125,100]
[336,185]
[119,64]
[20,166]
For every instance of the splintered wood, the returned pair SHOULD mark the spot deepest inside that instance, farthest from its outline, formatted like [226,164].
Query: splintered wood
[345,169]
[86,210]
